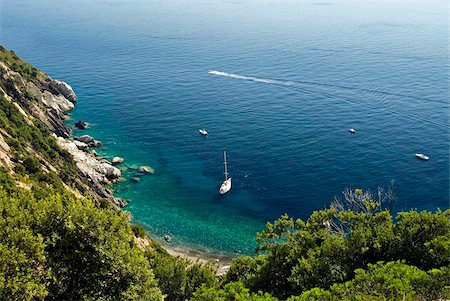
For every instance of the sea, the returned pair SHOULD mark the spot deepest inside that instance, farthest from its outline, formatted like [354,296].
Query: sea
[276,83]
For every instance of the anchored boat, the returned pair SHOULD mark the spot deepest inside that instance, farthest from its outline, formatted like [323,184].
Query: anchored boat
[226,185]
[422,157]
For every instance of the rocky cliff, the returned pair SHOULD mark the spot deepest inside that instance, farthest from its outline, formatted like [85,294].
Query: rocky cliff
[34,105]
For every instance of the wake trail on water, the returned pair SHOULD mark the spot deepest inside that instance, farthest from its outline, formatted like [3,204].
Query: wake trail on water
[297,84]
[251,78]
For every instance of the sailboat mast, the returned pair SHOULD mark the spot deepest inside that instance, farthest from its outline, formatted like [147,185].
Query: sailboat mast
[225,164]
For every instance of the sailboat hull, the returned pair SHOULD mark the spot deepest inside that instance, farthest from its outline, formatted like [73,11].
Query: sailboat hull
[225,187]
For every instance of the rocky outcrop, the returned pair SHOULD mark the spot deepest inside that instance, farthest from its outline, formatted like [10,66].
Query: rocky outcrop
[5,159]
[38,97]
[81,145]
[81,125]
[85,138]
[57,102]
[116,160]
[64,89]
[53,97]
[88,165]
[90,141]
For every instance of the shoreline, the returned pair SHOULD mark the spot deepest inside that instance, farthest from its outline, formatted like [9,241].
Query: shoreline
[195,256]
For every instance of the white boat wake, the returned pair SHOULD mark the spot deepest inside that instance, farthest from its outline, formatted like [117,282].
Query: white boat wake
[300,86]
[251,78]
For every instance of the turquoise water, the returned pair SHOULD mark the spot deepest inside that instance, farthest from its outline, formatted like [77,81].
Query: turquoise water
[292,77]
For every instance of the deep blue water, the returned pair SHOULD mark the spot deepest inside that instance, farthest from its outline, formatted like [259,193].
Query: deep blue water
[300,73]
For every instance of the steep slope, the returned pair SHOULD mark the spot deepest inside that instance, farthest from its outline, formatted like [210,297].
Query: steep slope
[61,235]
[33,106]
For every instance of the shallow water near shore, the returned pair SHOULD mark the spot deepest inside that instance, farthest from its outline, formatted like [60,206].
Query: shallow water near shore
[276,83]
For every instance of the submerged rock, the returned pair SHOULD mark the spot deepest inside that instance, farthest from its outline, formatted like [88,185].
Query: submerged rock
[135,179]
[81,125]
[147,169]
[117,160]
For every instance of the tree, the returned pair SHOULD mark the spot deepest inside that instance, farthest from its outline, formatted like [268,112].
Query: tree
[179,278]
[233,291]
[62,247]
[334,243]
[393,280]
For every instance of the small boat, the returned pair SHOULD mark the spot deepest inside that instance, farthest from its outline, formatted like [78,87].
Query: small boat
[352,130]
[422,157]
[203,132]
[167,238]
[226,185]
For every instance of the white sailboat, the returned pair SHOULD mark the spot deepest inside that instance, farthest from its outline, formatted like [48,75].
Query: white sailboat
[226,185]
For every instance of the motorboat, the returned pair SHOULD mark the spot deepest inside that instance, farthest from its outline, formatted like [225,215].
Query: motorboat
[226,185]
[203,132]
[352,130]
[422,157]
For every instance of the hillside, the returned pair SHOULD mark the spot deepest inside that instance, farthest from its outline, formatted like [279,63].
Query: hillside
[64,237]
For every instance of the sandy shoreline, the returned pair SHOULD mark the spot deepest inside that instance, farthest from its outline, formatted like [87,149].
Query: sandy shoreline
[223,261]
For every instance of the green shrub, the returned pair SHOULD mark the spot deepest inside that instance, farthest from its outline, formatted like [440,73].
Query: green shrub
[31,164]
[138,231]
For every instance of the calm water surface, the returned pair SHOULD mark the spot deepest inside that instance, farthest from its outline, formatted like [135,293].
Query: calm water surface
[292,77]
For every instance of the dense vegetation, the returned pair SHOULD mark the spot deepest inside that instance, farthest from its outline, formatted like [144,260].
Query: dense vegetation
[55,245]
[340,254]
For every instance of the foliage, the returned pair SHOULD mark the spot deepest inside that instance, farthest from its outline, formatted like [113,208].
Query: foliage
[327,249]
[55,246]
[233,291]
[138,231]
[385,281]
[37,135]
[18,65]
[61,247]
[178,278]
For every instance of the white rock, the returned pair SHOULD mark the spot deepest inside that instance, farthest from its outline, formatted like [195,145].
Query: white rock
[88,164]
[85,138]
[117,160]
[65,89]
[110,171]
[81,145]
[58,102]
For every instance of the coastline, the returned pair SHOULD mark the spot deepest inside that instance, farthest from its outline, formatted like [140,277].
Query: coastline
[87,165]
[87,159]
[222,261]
